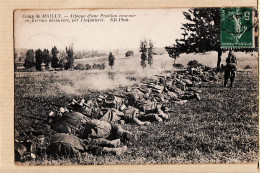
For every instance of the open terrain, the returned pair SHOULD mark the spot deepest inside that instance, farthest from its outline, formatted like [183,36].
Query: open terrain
[220,128]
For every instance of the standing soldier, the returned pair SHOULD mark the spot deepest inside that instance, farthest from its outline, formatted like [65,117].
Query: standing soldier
[231,63]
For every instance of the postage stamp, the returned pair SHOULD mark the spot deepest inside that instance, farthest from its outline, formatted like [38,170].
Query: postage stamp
[237,27]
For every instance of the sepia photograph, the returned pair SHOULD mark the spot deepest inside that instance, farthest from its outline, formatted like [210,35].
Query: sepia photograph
[136,86]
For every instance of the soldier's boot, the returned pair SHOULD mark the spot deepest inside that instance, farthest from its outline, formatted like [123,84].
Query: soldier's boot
[181,102]
[115,151]
[105,142]
[197,96]
[157,118]
[128,137]
[128,134]
[231,84]
[141,123]
[115,143]
[121,122]
[232,78]
[161,113]
[124,134]
[226,77]
[147,123]
[225,83]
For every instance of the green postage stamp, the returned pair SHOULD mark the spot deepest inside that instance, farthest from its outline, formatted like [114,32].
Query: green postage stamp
[237,27]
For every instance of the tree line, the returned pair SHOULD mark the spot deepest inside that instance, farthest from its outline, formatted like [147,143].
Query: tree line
[45,57]
[146,53]
[40,58]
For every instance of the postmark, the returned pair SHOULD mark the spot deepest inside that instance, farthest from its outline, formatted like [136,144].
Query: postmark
[237,27]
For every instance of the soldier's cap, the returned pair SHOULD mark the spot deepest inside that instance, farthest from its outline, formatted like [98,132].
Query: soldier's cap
[128,89]
[122,107]
[74,101]
[151,84]
[62,110]
[89,103]
[168,78]
[161,80]
[143,84]
[166,108]
[82,102]
[110,99]
[158,87]
[40,137]
[22,139]
[33,156]
[51,113]
[144,90]
[100,98]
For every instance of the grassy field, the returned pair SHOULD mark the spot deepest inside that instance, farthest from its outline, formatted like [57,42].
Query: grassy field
[220,128]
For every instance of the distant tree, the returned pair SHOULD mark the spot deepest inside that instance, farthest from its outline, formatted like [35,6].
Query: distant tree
[39,59]
[111,59]
[143,62]
[173,52]
[143,50]
[55,59]
[194,64]
[46,57]
[29,60]
[70,59]
[150,53]
[61,63]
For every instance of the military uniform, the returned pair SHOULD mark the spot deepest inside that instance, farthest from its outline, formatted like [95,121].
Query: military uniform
[104,132]
[62,144]
[230,73]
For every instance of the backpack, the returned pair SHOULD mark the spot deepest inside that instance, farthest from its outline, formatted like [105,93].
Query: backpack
[134,96]
[112,115]
[70,122]
[148,106]
[96,129]
[62,144]
[232,66]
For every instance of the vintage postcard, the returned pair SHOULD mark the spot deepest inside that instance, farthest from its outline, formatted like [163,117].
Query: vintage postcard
[136,86]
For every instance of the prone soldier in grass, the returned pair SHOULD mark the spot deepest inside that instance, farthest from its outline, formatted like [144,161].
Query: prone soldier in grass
[140,113]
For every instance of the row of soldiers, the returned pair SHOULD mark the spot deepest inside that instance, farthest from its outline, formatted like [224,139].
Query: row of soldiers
[95,125]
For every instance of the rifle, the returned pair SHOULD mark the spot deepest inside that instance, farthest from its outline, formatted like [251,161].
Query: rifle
[35,118]
[159,75]
[80,111]
[56,105]
[122,96]
[53,104]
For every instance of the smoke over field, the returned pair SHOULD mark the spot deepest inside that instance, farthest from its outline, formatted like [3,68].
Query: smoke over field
[93,81]
[126,71]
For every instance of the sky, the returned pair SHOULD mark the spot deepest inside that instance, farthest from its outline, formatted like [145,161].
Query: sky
[161,26]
